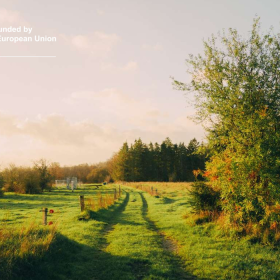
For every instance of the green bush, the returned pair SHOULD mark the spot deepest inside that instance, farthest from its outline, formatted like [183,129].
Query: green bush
[203,198]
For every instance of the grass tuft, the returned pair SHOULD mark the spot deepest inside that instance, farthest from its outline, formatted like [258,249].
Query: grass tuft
[22,247]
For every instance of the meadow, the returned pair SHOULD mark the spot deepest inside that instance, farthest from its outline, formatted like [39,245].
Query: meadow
[146,234]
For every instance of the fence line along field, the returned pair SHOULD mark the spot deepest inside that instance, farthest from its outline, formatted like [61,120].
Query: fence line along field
[124,233]
[24,240]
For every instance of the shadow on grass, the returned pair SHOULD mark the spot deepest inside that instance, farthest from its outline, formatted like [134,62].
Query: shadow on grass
[111,215]
[167,200]
[70,260]
[176,263]
[106,215]
[182,203]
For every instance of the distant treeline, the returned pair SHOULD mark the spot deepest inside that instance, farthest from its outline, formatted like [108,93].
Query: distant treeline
[165,162]
[42,175]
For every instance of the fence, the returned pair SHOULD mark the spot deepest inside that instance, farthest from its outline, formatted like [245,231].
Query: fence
[102,201]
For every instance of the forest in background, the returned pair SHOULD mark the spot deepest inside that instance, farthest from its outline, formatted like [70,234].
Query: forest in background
[165,162]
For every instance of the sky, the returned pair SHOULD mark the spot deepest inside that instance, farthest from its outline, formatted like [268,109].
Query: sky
[110,79]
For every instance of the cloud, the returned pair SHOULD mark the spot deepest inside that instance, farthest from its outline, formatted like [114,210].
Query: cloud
[157,113]
[103,96]
[81,42]
[8,124]
[51,129]
[128,113]
[140,113]
[11,17]
[114,103]
[100,12]
[130,66]
[56,129]
[55,138]
[97,44]
[155,47]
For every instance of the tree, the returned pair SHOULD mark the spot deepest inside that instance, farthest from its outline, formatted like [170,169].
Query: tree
[120,164]
[154,162]
[56,171]
[11,178]
[98,174]
[157,161]
[30,181]
[44,174]
[20,180]
[237,96]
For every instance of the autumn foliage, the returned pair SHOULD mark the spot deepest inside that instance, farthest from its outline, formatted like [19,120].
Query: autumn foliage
[237,90]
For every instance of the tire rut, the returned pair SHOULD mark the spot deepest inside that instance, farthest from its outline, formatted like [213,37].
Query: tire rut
[110,226]
[169,245]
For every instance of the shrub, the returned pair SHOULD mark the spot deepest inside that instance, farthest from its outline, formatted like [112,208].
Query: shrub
[26,179]
[22,180]
[10,178]
[203,198]
[45,176]
[30,181]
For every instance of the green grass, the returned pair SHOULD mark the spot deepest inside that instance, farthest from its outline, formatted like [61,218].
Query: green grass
[139,237]
[206,250]
[69,255]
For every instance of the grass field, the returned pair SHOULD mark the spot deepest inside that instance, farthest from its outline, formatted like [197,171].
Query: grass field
[139,237]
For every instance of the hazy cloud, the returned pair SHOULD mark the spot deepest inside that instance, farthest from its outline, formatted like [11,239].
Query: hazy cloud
[100,12]
[9,125]
[103,96]
[97,44]
[155,47]
[11,17]
[57,139]
[115,103]
[131,66]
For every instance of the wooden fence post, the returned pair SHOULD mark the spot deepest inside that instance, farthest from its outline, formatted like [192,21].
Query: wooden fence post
[82,203]
[152,190]
[115,194]
[45,216]
[156,192]
[119,191]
